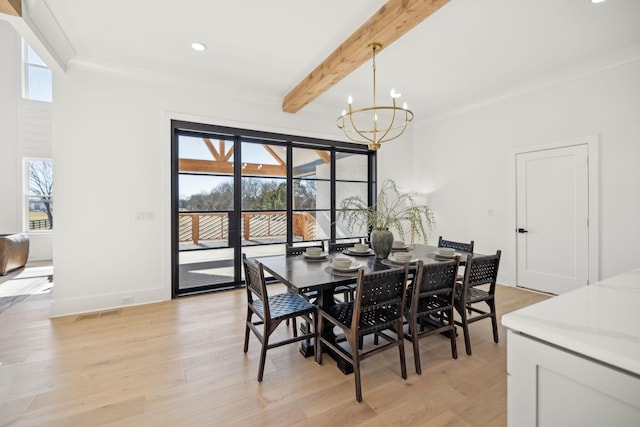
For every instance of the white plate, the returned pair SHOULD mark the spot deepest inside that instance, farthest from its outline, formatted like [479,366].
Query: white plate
[321,256]
[397,261]
[356,253]
[354,250]
[399,248]
[445,256]
[353,267]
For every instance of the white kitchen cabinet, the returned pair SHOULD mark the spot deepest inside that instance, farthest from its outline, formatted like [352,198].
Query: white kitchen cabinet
[549,386]
[574,360]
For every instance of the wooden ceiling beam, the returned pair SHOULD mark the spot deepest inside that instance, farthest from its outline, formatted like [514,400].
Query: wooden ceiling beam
[11,7]
[390,22]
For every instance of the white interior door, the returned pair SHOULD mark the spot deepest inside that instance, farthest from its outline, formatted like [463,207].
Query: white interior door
[552,198]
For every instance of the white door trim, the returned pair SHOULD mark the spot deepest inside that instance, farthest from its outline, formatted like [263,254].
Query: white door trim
[594,221]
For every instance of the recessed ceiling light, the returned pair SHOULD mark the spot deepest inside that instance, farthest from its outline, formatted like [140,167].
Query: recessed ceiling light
[198,46]
[597,1]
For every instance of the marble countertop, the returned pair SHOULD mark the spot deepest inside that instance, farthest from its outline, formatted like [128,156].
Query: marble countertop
[601,321]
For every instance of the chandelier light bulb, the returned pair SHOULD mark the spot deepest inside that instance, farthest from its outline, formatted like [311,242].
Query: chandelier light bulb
[344,112]
[405,106]
[350,100]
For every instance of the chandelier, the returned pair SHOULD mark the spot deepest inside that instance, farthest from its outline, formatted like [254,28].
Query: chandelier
[377,124]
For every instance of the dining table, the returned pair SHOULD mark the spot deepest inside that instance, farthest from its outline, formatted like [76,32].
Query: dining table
[305,274]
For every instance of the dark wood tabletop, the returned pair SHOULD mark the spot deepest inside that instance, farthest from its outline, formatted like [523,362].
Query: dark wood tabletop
[302,274]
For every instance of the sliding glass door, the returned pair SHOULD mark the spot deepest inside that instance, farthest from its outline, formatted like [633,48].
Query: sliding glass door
[238,191]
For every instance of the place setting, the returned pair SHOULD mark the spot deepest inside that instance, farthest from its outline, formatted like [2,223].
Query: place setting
[400,258]
[343,266]
[315,254]
[359,249]
[442,254]
[399,246]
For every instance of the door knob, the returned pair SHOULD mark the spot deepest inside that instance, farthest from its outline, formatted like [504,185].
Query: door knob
[522,230]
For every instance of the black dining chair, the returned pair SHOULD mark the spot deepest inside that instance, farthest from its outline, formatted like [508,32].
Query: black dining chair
[299,250]
[346,291]
[429,306]
[378,308]
[479,271]
[340,246]
[309,296]
[458,246]
[270,311]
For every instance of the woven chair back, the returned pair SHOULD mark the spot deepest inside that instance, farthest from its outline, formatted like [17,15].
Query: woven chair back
[483,270]
[254,278]
[299,250]
[433,279]
[337,247]
[381,293]
[458,246]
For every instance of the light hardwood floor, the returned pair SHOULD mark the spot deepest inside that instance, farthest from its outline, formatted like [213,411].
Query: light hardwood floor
[180,363]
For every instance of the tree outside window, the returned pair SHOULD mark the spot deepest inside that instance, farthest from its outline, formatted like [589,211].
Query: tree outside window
[40,195]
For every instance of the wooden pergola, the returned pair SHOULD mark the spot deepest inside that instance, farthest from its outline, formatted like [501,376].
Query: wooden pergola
[222,163]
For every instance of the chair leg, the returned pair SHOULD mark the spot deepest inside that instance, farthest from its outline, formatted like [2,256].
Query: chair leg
[263,354]
[356,370]
[295,326]
[403,360]
[465,329]
[494,321]
[416,347]
[452,333]
[318,347]
[246,331]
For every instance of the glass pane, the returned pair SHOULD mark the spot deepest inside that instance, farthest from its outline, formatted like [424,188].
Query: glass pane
[349,189]
[33,57]
[205,193]
[311,194]
[352,167]
[205,268]
[218,151]
[344,231]
[264,193]
[311,225]
[264,227]
[199,230]
[39,84]
[40,212]
[264,160]
[308,163]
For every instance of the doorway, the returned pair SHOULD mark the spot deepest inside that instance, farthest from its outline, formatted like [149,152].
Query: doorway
[555,219]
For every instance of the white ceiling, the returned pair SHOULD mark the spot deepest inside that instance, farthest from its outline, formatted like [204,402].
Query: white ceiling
[467,52]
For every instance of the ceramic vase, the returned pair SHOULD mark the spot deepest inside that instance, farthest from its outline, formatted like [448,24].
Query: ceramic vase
[381,242]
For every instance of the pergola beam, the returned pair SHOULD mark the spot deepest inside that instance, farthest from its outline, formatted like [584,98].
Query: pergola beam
[11,7]
[213,166]
[389,23]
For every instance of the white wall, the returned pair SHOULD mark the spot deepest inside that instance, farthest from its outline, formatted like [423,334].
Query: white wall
[25,133]
[9,172]
[111,145]
[111,140]
[462,161]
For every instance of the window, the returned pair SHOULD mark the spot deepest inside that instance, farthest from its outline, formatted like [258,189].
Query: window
[37,77]
[39,194]
[238,191]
